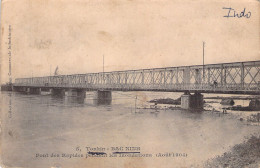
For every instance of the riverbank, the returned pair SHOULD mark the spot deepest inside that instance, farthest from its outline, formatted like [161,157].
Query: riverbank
[234,97]
[246,154]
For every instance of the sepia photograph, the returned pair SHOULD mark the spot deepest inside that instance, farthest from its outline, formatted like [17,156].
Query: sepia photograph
[130,84]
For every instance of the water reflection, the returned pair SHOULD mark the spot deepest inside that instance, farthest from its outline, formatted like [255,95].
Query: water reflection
[45,123]
[74,100]
[155,113]
[193,114]
[99,102]
[67,100]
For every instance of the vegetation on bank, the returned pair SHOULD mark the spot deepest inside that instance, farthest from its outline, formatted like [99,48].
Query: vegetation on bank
[244,155]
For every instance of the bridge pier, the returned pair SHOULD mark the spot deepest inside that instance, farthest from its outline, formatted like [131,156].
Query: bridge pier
[27,90]
[185,100]
[103,97]
[58,92]
[77,93]
[194,101]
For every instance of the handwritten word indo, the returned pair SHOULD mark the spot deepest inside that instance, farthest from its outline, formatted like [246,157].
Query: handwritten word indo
[233,13]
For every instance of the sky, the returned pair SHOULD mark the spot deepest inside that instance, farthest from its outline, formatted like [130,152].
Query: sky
[132,34]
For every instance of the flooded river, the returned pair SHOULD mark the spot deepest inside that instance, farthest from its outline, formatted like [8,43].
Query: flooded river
[46,131]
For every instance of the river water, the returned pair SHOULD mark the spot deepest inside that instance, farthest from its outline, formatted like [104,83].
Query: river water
[33,127]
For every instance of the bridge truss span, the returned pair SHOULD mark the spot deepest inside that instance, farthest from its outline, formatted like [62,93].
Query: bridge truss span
[237,78]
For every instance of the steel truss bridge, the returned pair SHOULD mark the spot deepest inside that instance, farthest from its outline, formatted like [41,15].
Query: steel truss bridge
[233,78]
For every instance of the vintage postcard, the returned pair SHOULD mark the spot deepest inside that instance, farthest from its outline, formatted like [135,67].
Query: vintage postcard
[130,84]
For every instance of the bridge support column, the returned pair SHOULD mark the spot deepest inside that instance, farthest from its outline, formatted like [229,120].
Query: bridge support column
[189,101]
[103,97]
[77,93]
[185,100]
[58,92]
[27,90]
